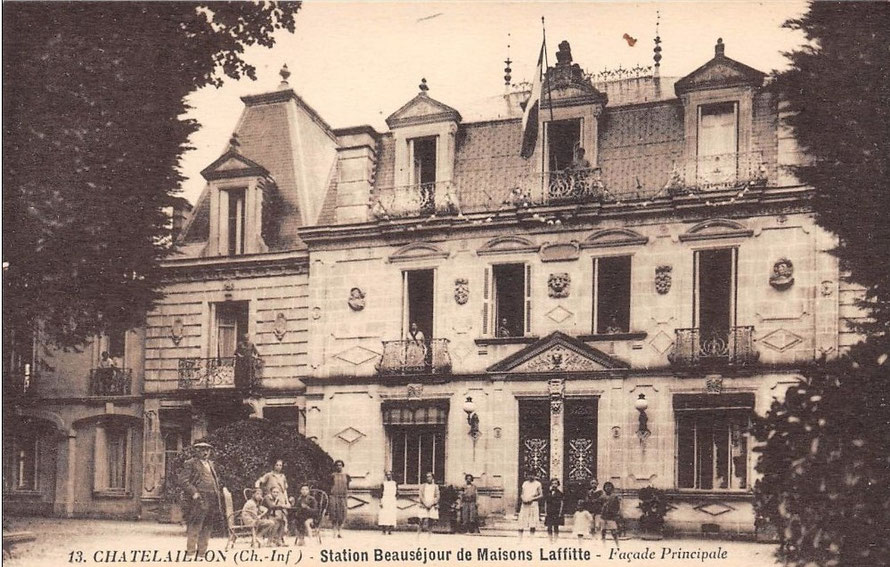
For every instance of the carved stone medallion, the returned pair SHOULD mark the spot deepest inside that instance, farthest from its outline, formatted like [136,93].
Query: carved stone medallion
[461,291]
[783,274]
[177,331]
[558,285]
[280,327]
[356,299]
[663,279]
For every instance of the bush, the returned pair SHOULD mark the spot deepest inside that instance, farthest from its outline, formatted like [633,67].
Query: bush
[654,507]
[826,464]
[245,450]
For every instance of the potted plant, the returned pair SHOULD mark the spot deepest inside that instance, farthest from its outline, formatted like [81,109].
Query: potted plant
[653,507]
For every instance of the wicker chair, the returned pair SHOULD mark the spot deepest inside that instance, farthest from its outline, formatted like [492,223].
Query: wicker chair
[321,499]
[235,524]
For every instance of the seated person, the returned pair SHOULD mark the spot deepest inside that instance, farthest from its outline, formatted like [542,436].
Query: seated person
[306,512]
[277,506]
[255,515]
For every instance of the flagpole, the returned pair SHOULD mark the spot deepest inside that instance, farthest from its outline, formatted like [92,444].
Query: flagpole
[544,125]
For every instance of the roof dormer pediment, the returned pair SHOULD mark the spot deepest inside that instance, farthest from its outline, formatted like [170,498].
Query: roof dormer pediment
[719,73]
[422,109]
[233,165]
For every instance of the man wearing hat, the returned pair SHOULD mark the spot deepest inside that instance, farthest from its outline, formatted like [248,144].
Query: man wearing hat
[201,494]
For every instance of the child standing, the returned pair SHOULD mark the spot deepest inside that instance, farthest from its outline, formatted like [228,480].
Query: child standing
[611,511]
[553,517]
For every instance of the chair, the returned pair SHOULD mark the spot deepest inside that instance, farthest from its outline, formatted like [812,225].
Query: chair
[321,499]
[235,524]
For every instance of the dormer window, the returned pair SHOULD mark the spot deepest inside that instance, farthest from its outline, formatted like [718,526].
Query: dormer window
[718,142]
[232,214]
[423,155]
[563,143]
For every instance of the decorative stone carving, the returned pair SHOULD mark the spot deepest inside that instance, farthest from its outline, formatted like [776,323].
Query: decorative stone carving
[316,313]
[280,327]
[783,274]
[558,285]
[827,288]
[558,359]
[556,387]
[177,331]
[461,291]
[714,384]
[616,432]
[414,391]
[663,279]
[356,299]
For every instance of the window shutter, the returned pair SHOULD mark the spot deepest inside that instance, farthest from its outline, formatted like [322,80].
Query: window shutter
[486,302]
[528,299]
[100,460]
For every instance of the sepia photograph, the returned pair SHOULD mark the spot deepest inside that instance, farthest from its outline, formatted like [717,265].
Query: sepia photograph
[446,283]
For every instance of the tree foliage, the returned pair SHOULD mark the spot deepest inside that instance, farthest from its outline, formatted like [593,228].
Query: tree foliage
[838,90]
[826,463]
[247,449]
[93,133]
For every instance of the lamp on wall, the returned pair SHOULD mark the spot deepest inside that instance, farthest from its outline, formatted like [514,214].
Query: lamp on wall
[472,417]
[642,405]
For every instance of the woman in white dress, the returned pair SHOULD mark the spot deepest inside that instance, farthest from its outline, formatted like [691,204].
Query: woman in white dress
[388,511]
[429,504]
[530,494]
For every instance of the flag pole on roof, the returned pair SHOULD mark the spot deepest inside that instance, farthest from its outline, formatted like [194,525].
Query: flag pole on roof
[532,106]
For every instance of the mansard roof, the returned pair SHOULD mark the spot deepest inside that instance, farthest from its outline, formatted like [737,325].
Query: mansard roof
[557,352]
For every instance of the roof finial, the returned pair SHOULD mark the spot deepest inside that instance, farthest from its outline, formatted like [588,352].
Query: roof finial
[508,77]
[423,86]
[718,49]
[285,73]
[233,142]
[657,49]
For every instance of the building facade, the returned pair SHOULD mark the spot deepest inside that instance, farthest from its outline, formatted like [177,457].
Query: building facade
[616,305]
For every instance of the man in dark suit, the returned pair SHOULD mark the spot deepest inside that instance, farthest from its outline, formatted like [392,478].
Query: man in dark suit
[201,493]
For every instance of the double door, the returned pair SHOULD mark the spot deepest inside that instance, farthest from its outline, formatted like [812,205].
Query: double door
[575,435]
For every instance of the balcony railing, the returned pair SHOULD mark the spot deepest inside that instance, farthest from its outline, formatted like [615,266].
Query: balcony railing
[416,200]
[415,357]
[110,381]
[219,373]
[729,347]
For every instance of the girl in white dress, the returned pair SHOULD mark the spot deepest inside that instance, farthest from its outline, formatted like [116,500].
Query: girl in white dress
[388,511]
[429,505]
[530,494]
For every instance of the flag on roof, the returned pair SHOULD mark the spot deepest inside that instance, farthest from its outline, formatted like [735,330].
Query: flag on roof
[530,114]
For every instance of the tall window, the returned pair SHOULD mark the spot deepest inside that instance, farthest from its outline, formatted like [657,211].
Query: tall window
[118,456]
[111,457]
[715,289]
[423,172]
[717,142]
[611,292]
[234,218]
[21,460]
[231,323]
[712,441]
[563,140]
[418,297]
[511,295]
[416,441]
[117,341]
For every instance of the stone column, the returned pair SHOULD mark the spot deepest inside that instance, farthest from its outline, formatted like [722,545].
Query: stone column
[557,393]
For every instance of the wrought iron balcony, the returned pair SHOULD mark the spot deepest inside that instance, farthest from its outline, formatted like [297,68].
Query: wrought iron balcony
[415,357]
[730,347]
[219,373]
[110,381]
[416,200]
[720,172]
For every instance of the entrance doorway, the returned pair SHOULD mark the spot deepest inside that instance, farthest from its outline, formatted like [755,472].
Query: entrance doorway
[534,440]
[579,450]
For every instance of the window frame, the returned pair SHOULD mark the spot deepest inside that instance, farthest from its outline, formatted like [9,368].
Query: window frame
[406,323]
[18,465]
[102,455]
[744,433]
[595,299]
[734,285]
[228,246]
[490,300]
[417,430]
[412,166]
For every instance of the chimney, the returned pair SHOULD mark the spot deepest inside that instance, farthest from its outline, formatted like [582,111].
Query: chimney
[357,164]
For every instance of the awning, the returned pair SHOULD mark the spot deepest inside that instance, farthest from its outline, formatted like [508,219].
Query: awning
[427,412]
[743,400]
